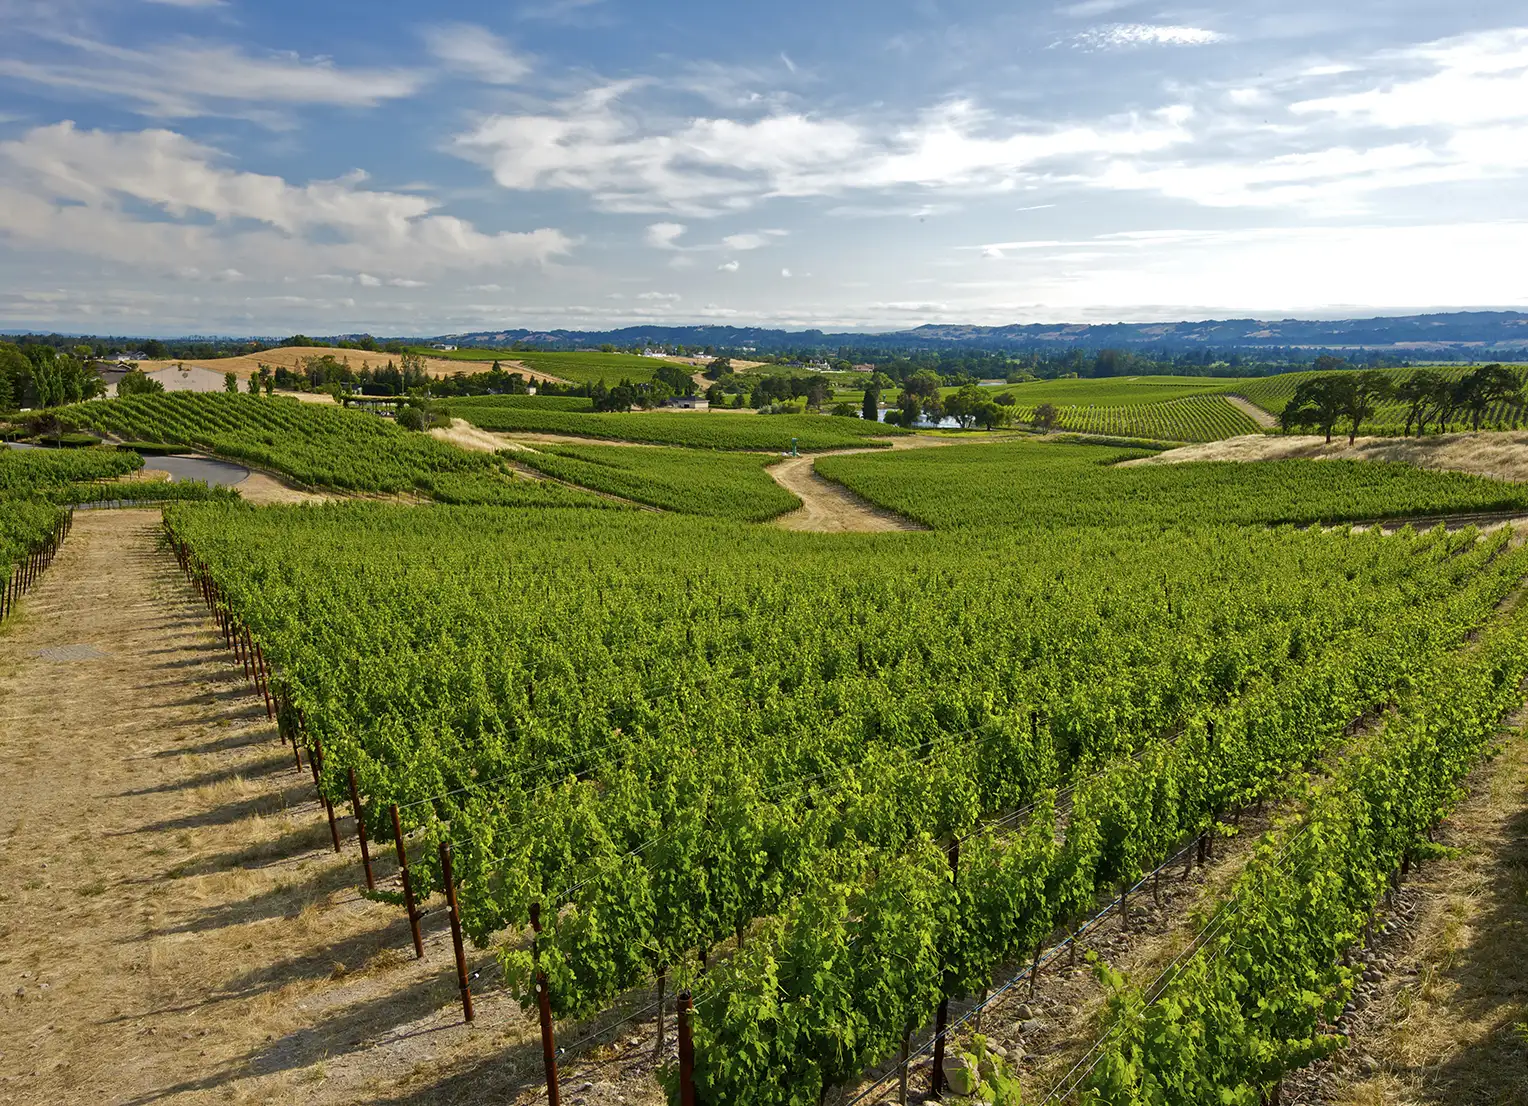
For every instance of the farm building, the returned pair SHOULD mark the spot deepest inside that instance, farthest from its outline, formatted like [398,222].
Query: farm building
[188,378]
[689,403]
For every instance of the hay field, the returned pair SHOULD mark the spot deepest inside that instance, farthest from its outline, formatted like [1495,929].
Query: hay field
[290,357]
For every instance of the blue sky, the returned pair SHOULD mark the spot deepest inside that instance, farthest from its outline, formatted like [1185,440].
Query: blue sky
[228,166]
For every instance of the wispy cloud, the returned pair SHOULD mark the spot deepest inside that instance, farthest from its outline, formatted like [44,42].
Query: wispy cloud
[728,267]
[1120,36]
[193,78]
[595,144]
[477,52]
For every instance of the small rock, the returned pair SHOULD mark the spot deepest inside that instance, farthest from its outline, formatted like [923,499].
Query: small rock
[1367,1065]
[1024,1012]
[958,1076]
[998,1050]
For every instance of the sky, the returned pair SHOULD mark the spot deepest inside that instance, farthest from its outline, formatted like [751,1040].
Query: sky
[270,167]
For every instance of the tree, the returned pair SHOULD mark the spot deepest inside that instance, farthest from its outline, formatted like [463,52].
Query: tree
[963,405]
[1327,363]
[1320,402]
[1045,417]
[990,415]
[231,382]
[718,368]
[870,409]
[909,407]
[1421,392]
[1362,394]
[924,384]
[1485,386]
[136,383]
[254,385]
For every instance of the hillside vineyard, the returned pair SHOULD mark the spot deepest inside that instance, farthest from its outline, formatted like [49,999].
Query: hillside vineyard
[664,733]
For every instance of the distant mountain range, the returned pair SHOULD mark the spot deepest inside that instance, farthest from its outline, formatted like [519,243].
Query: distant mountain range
[1474,332]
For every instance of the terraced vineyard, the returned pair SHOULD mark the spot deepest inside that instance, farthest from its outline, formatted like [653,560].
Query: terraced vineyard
[319,446]
[1030,483]
[697,430]
[1199,418]
[730,485]
[579,368]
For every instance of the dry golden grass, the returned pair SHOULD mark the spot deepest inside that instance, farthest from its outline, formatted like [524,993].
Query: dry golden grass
[174,924]
[1502,455]
[291,357]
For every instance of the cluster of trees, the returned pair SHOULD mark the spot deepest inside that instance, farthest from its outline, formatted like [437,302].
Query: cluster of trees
[38,375]
[1431,398]
[669,381]
[328,373]
[970,406]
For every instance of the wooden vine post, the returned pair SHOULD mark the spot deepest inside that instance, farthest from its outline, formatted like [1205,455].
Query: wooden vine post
[686,1051]
[360,831]
[462,981]
[408,887]
[316,763]
[544,1006]
[942,1018]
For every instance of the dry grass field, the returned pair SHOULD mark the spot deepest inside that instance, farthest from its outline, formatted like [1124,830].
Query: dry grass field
[1501,455]
[290,357]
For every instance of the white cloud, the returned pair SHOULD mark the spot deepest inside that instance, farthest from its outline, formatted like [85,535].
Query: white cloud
[745,241]
[155,198]
[705,166]
[660,297]
[1479,78]
[475,52]
[785,273]
[186,79]
[728,267]
[1272,269]
[664,236]
[1119,36]
[366,280]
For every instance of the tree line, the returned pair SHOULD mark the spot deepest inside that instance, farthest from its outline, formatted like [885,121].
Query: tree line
[38,376]
[1431,398]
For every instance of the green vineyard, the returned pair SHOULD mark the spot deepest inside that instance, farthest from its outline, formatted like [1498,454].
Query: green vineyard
[823,802]
[319,446]
[696,430]
[1200,418]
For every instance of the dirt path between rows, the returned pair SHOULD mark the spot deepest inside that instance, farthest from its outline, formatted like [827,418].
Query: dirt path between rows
[1444,1022]
[174,925]
[829,508]
[1263,418]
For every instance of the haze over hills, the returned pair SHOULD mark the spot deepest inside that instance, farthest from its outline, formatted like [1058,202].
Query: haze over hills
[1465,332]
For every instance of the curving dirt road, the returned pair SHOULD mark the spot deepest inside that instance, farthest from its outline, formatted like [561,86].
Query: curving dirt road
[830,508]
